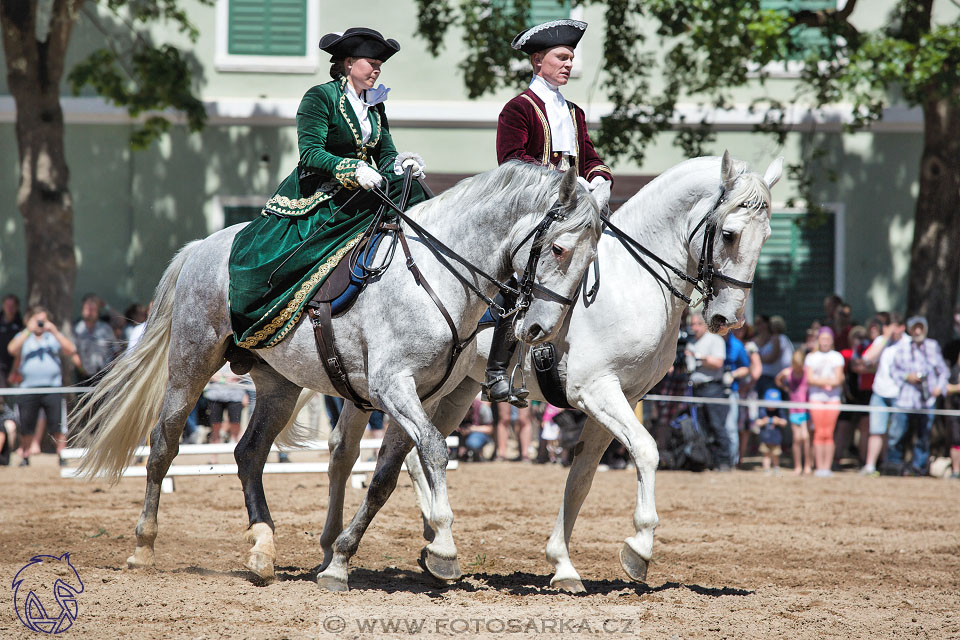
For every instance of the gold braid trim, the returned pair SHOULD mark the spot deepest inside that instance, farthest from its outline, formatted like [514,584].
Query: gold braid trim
[299,206]
[294,309]
[599,167]
[576,138]
[346,173]
[547,143]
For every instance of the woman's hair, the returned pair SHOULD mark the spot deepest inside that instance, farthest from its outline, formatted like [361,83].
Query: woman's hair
[338,68]
[798,357]
[778,324]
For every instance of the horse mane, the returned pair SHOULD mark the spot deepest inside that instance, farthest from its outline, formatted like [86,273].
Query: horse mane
[513,186]
[750,192]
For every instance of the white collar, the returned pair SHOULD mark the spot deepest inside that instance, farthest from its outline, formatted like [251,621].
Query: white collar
[543,89]
[360,109]
[558,115]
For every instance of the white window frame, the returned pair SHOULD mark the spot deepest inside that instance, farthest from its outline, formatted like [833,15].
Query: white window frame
[228,62]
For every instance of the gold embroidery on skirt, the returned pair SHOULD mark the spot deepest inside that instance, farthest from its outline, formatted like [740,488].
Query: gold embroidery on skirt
[293,309]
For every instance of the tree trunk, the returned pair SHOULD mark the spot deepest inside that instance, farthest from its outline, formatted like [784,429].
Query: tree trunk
[35,48]
[935,255]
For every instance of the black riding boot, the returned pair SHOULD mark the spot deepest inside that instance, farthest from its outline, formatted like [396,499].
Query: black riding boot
[497,384]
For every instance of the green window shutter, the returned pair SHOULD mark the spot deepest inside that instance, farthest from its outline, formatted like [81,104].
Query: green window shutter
[267,27]
[235,214]
[795,272]
[546,10]
[809,41]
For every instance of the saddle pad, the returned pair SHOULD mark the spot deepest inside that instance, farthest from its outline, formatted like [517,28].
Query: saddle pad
[343,302]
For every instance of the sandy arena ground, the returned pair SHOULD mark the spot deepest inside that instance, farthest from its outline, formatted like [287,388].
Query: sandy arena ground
[738,555]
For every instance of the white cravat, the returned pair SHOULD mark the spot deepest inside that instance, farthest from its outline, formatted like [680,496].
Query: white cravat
[360,108]
[558,115]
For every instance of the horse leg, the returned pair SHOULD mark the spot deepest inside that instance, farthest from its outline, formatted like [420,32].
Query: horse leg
[606,403]
[447,417]
[395,446]
[594,440]
[276,399]
[182,394]
[344,447]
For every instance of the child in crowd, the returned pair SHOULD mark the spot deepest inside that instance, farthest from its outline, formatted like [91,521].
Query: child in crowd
[793,381]
[476,431]
[768,429]
[550,433]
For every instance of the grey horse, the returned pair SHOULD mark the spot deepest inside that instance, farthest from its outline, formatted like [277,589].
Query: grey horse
[394,344]
[616,347]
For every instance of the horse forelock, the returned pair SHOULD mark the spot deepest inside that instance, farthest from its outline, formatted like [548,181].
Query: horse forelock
[750,193]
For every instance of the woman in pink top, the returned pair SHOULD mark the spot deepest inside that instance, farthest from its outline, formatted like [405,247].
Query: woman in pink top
[824,372]
[794,382]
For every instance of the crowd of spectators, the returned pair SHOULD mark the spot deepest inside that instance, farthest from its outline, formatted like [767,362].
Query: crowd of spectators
[884,364]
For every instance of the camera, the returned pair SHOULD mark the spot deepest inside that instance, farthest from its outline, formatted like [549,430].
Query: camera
[680,359]
[40,323]
[924,391]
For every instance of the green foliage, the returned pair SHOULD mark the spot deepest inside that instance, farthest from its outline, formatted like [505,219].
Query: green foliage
[702,51]
[135,73]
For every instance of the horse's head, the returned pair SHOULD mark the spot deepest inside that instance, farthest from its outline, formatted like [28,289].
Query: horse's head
[728,243]
[566,247]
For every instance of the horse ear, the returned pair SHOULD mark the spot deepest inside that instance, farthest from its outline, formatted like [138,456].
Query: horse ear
[602,194]
[568,188]
[772,174]
[727,173]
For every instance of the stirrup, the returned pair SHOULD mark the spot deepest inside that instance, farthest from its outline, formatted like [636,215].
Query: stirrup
[508,393]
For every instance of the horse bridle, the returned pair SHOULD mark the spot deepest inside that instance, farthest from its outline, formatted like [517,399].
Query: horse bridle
[706,269]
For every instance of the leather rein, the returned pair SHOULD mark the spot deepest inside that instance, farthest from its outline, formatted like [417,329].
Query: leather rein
[524,293]
[707,272]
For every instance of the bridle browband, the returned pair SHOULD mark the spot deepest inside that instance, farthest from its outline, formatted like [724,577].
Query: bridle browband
[706,269]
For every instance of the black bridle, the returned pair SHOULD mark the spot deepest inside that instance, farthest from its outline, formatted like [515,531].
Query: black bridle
[528,286]
[706,269]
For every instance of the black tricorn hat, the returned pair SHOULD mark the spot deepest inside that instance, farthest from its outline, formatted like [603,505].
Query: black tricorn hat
[555,33]
[359,42]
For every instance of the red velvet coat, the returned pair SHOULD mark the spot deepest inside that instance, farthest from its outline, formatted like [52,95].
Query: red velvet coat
[523,133]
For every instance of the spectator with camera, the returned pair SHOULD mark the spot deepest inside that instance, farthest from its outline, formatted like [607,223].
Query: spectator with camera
[40,348]
[705,355]
[918,364]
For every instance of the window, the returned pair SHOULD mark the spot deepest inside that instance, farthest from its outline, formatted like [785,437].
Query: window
[267,36]
[546,10]
[798,268]
[230,210]
[808,40]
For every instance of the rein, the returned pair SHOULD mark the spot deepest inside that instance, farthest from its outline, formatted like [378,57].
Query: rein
[523,294]
[706,269]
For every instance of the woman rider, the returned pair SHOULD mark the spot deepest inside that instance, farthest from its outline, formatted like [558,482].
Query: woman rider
[322,208]
[541,127]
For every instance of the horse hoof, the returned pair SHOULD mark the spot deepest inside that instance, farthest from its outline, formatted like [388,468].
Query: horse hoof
[331,583]
[446,569]
[633,565]
[262,565]
[570,585]
[142,558]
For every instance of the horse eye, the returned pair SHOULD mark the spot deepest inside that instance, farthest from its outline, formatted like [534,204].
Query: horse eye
[558,251]
[729,237]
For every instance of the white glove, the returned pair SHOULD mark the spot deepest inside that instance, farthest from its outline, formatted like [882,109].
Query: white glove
[407,158]
[367,177]
[596,182]
[583,181]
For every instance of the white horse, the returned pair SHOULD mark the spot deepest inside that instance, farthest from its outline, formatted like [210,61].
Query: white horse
[616,347]
[393,342]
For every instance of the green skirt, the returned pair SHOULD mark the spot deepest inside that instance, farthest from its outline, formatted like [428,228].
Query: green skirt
[276,264]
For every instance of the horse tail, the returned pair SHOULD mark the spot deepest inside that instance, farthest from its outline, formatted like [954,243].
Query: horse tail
[296,435]
[114,419]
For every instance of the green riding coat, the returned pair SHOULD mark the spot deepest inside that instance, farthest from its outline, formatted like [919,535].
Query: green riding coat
[316,215]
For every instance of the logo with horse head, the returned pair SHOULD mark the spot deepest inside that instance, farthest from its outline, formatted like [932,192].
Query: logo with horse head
[45,594]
